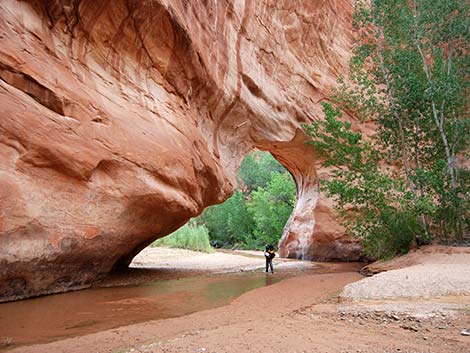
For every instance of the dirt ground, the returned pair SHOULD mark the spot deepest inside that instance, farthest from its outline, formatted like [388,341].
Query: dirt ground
[300,314]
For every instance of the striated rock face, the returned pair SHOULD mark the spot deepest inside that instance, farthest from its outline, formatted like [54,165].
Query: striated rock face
[120,120]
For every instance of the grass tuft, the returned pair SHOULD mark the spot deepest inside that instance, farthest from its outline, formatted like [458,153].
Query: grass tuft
[190,236]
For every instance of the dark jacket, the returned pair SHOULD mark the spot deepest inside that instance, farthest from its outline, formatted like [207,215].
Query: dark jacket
[269,252]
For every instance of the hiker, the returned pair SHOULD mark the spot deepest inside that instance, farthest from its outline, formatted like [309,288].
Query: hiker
[269,255]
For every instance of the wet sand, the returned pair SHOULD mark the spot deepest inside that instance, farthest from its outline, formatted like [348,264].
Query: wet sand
[295,315]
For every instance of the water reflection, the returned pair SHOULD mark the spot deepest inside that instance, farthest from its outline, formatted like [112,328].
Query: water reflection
[92,310]
[77,313]
[268,279]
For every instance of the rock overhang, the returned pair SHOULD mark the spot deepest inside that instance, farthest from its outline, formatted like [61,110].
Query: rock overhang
[123,119]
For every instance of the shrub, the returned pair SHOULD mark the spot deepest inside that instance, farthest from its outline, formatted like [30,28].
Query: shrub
[190,236]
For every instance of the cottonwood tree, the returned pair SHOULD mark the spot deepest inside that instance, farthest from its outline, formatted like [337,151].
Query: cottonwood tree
[410,72]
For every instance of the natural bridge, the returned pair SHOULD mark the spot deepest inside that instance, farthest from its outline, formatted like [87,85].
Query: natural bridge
[120,120]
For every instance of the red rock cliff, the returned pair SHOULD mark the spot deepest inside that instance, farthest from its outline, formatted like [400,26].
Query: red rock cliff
[120,120]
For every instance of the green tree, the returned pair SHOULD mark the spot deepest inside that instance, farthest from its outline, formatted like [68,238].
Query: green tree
[374,202]
[270,208]
[230,223]
[257,212]
[420,54]
[410,73]
[257,170]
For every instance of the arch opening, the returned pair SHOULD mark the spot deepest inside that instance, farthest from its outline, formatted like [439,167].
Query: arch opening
[255,215]
[278,201]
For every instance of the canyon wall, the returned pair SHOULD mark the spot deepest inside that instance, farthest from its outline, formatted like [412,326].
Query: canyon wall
[120,120]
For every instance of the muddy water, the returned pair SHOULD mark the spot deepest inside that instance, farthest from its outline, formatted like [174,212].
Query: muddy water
[53,317]
[77,313]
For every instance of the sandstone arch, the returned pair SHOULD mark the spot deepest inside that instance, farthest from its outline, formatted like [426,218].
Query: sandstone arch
[121,119]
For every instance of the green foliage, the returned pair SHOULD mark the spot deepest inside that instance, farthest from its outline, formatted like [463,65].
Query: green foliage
[256,171]
[270,208]
[426,59]
[257,212]
[410,73]
[191,236]
[229,224]
[374,203]
[393,234]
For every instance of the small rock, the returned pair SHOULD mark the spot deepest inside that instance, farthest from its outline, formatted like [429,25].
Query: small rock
[395,317]
[465,332]
[409,328]
[425,338]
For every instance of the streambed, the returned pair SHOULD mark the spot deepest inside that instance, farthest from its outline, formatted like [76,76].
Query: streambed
[72,314]
[53,317]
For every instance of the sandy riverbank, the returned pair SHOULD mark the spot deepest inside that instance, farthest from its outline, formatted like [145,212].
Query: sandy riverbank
[301,314]
[161,263]
[219,261]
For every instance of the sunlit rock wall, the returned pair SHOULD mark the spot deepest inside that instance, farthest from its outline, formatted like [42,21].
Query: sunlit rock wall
[120,120]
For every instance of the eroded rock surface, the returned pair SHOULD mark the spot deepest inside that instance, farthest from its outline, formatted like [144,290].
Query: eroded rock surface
[120,120]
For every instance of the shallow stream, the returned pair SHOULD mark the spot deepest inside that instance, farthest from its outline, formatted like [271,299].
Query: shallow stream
[53,317]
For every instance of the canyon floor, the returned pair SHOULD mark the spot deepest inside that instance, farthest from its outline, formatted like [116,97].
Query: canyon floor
[309,312]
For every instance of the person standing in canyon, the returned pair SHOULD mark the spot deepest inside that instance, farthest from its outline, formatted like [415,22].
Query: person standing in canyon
[269,254]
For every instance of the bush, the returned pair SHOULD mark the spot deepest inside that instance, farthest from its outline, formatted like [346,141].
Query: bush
[190,236]
[394,234]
